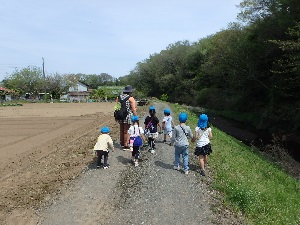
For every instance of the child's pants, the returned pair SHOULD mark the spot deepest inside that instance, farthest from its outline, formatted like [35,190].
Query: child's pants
[151,142]
[101,153]
[182,150]
[136,152]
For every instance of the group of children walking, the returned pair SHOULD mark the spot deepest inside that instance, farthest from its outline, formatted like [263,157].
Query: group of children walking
[178,136]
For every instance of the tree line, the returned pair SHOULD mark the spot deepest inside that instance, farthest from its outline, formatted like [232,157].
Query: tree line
[253,66]
[32,79]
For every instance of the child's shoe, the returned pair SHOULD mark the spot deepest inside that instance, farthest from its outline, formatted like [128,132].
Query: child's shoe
[152,151]
[136,164]
[176,167]
[106,166]
[202,172]
[186,172]
[100,165]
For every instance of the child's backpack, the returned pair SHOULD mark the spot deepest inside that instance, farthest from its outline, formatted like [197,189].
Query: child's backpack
[120,109]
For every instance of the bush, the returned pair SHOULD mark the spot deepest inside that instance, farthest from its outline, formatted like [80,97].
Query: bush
[164,97]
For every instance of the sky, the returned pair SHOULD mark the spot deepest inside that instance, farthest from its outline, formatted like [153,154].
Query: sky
[101,36]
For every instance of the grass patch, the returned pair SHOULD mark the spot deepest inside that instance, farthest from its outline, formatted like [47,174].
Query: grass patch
[250,182]
[10,104]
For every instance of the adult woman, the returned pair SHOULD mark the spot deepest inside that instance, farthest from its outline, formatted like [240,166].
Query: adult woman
[131,110]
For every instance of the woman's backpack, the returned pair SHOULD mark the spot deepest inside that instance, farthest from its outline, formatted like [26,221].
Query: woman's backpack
[120,109]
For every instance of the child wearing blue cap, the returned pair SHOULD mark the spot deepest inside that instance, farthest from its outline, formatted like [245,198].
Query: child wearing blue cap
[180,136]
[203,134]
[135,139]
[167,124]
[151,123]
[104,142]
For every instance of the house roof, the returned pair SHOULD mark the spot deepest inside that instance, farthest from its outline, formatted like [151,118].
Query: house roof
[5,89]
[83,83]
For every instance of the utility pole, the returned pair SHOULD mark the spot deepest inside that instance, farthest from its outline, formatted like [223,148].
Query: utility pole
[44,78]
[43,68]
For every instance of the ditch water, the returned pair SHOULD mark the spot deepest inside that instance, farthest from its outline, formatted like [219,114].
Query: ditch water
[258,138]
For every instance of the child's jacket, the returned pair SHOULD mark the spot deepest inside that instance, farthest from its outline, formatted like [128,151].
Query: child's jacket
[135,133]
[168,123]
[104,142]
[203,136]
[180,135]
[151,124]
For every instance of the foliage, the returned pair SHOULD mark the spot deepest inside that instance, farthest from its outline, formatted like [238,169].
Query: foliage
[250,67]
[164,97]
[29,79]
[106,93]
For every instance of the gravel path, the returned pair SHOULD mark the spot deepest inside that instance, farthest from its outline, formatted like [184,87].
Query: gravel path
[152,193]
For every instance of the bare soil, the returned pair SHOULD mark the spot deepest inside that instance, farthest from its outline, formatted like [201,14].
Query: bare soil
[43,147]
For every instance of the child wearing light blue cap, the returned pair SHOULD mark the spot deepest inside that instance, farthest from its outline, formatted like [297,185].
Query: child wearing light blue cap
[203,134]
[167,124]
[135,138]
[104,142]
[180,136]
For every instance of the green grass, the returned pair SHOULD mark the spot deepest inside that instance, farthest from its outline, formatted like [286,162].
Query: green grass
[250,182]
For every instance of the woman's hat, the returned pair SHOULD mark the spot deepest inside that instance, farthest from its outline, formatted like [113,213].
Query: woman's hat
[182,117]
[104,130]
[202,122]
[128,89]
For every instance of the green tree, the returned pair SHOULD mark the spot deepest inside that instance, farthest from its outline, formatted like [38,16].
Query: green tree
[26,80]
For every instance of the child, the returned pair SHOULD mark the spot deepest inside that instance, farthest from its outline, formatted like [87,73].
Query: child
[203,134]
[180,138]
[167,124]
[151,123]
[136,138]
[104,142]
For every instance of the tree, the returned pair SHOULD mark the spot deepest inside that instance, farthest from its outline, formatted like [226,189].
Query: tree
[56,85]
[26,80]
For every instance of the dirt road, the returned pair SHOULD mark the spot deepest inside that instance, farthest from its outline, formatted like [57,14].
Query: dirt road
[48,175]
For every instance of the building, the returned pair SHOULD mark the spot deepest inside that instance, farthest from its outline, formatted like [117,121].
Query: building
[5,94]
[77,93]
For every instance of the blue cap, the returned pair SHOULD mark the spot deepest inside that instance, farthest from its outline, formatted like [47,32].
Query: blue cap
[105,130]
[151,108]
[167,111]
[134,118]
[182,117]
[202,122]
